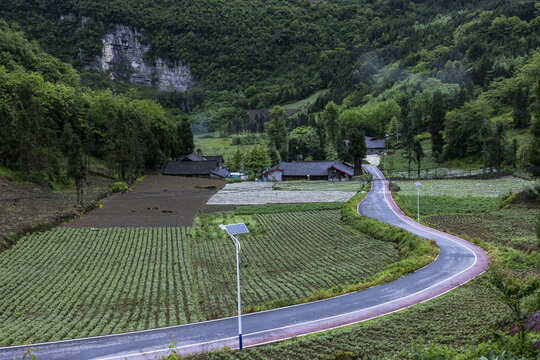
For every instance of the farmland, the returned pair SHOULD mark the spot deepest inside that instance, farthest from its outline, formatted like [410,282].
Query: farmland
[513,227]
[258,193]
[439,197]
[79,282]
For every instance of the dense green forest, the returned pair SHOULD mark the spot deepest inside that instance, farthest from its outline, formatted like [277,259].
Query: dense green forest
[52,126]
[465,72]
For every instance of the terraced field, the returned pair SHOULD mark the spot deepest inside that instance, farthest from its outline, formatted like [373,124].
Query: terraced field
[69,283]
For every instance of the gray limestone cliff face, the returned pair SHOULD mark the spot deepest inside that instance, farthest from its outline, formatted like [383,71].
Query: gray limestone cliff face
[123,54]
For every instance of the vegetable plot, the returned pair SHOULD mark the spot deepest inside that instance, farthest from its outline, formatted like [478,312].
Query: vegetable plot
[69,283]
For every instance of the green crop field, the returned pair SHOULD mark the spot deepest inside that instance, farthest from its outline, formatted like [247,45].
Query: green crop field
[303,185]
[69,283]
[513,226]
[457,196]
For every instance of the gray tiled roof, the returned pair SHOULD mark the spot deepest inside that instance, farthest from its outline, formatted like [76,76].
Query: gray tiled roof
[222,173]
[343,168]
[372,143]
[191,157]
[190,167]
[218,158]
[311,168]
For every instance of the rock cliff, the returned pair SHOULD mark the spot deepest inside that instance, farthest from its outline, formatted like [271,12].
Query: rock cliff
[123,54]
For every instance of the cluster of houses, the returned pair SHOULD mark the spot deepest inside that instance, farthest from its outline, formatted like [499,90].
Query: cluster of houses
[195,165]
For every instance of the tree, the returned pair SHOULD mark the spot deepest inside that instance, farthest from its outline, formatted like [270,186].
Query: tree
[521,109]
[532,155]
[513,155]
[357,148]
[77,166]
[256,161]
[407,142]
[306,143]
[273,156]
[185,137]
[512,290]
[418,153]
[330,117]
[493,144]
[393,131]
[462,129]
[436,122]
[237,160]
[276,129]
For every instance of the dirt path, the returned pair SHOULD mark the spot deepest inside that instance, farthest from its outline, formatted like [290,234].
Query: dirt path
[158,200]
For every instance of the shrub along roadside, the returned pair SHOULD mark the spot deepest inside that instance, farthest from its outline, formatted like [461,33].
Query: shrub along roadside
[414,251]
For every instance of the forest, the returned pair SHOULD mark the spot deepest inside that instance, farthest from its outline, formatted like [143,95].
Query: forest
[465,73]
[52,126]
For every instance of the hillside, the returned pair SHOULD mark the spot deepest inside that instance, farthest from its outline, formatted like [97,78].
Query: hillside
[53,128]
[464,72]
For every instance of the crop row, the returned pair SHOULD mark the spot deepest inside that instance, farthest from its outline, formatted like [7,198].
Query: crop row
[298,254]
[69,283]
[465,187]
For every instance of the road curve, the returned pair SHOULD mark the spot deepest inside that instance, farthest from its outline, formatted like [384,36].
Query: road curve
[457,263]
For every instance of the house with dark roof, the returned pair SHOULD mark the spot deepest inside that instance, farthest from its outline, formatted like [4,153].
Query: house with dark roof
[309,170]
[194,165]
[374,146]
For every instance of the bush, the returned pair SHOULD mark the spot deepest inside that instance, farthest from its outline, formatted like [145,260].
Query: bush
[118,187]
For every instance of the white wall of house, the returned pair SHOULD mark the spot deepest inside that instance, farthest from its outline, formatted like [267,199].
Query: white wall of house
[274,176]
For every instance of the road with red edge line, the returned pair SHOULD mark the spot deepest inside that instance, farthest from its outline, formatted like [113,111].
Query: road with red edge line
[457,263]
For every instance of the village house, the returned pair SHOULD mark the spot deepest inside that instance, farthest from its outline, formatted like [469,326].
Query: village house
[374,146]
[309,170]
[194,165]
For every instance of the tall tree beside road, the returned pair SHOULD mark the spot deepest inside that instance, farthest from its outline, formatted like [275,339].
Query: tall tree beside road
[357,148]
[418,153]
[436,122]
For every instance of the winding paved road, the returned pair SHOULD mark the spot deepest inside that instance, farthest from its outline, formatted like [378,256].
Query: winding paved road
[457,263]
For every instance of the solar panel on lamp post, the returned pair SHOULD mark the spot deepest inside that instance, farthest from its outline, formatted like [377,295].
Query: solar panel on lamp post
[418,198]
[234,230]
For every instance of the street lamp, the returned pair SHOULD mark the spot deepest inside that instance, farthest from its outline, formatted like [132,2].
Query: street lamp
[234,230]
[418,198]
[384,161]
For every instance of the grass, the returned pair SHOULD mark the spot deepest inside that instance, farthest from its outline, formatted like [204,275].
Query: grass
[68,283]
[218,146]
[304,102]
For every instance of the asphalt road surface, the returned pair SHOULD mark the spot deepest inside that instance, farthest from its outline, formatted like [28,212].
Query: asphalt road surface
[457,263]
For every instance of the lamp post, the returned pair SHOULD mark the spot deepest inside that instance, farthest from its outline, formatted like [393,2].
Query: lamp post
[418,198]
[234,230]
